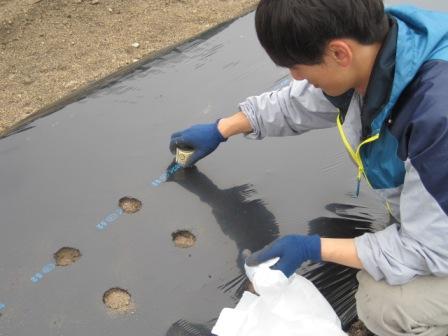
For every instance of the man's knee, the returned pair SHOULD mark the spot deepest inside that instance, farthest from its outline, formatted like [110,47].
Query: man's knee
[376,306]
[396,310]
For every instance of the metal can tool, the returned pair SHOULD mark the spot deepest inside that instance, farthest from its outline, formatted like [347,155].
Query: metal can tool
[183,155]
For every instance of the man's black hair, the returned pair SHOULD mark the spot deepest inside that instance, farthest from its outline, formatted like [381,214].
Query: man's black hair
[297,31]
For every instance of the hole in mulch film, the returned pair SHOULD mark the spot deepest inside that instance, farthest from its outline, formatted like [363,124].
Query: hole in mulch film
[66,256]
[359,329]
[183,239]
[118,300]
[129,205]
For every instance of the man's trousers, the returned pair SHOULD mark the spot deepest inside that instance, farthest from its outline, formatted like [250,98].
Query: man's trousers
[419,307]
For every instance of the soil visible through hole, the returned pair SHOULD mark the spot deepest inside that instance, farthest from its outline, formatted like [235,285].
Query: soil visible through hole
[129,205]
[118,300]
[183,239]
[66,256]
[359,329]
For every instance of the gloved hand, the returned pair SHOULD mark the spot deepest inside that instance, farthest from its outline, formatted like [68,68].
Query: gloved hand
[292,250]
[203,139]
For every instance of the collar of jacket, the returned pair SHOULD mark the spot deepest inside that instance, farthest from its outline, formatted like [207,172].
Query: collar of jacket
[415,37]
[379,88]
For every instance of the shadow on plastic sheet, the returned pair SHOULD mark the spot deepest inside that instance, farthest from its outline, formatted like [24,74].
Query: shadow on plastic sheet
[252,226]
[241,217]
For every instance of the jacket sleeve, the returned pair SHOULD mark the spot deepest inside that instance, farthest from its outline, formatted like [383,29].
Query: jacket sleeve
[292,110]
[418,245]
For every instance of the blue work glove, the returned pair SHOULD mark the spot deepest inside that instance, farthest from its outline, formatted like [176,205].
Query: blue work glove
[203,139]
[292,250]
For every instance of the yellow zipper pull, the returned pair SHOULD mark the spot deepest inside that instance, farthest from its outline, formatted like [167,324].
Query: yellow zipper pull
[358,182]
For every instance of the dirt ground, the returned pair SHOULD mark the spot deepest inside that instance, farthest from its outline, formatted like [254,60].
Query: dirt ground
[52,48]
[359,329]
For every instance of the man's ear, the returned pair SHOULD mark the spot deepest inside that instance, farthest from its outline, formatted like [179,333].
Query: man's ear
[340,52]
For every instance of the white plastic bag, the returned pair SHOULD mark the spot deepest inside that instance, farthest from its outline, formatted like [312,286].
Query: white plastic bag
[286,307]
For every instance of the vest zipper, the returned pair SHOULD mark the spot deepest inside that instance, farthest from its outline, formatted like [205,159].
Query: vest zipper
[355,155]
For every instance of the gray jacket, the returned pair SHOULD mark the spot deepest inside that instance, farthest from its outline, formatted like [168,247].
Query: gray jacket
[416,243]
[397,136]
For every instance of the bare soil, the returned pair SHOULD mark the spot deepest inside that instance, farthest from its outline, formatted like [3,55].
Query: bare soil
[52,48]
[66,256]
[129,205]
[183,239]
[359,329]
[118,300]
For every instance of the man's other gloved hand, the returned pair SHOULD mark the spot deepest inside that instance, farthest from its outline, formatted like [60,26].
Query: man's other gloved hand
[203,139]
[292,250]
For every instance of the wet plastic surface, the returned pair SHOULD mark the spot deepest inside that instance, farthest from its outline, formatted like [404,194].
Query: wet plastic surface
[62,178]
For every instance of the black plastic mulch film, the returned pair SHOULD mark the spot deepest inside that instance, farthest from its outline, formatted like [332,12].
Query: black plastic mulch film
[62,178]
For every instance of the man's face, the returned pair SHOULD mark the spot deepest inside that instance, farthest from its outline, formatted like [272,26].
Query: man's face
[328,76]
[335,75]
